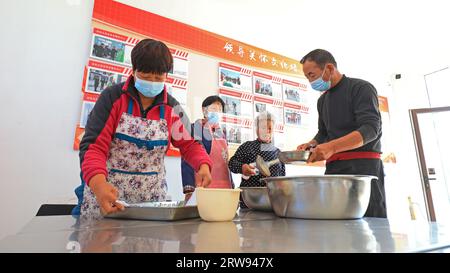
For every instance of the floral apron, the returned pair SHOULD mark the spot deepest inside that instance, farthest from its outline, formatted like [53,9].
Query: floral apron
[136,161]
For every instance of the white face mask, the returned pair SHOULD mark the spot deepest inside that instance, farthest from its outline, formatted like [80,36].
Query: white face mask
[213,117]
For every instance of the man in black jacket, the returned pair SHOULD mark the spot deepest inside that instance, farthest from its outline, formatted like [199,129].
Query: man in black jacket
[349,125]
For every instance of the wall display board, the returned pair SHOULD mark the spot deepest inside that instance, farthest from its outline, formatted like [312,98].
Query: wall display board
[249,79]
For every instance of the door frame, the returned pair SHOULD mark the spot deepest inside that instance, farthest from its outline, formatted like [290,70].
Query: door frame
[431,215]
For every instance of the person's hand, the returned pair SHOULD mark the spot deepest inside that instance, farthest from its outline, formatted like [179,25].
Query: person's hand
[321,152]
[204,175]
[106,195]
[306,146]
[248,170]
[187,196]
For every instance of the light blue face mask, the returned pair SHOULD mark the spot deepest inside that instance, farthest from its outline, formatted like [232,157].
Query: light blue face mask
[213,117]
[321,85]
[148,88]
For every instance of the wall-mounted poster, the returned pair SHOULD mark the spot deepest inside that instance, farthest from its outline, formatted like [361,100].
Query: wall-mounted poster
[178,89]
[292,114]
[237,103]
[303,86]
[180,63]
[278,113]
[102,75]
[232,128]
[117,28]
[292,117]
[79,133]
[238,130]
[85,111]
[238,116]
[246,130]
[235,77]
[267,85]
[112,47]
[273,106]
[87,105]
[291,91]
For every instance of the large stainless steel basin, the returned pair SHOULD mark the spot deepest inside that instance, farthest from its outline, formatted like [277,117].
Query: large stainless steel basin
[320,196]
[256,198]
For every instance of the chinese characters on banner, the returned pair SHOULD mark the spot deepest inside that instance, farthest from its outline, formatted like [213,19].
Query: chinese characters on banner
[248,55]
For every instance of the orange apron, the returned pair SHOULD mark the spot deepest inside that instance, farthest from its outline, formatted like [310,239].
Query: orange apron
[219,156]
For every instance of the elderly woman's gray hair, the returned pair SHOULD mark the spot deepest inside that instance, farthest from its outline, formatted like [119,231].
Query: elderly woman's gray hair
[264,117]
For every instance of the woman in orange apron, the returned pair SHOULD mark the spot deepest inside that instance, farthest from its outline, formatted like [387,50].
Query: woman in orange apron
[212,136]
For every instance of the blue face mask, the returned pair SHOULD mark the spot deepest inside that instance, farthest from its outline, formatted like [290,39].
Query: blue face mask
[321,85]
[213,117]
[148,88]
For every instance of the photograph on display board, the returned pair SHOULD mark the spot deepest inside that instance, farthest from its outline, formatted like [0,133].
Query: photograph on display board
[267,85]
[292,117]
[232,105]
[234,79]
[85,111]
[111,50]
[263,87]
[98,80]
[233,133]
[230,78]
[260,107]
[291,93]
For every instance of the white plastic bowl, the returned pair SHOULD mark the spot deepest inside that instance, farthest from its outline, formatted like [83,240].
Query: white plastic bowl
[217,204]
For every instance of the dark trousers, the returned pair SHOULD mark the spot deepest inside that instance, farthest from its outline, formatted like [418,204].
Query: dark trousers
[377,203]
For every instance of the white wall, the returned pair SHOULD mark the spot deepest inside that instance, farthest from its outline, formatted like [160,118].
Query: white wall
[45,46]
[44,49]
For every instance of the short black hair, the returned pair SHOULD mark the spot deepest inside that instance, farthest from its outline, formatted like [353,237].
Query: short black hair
[320,56]
[151,56]
[212,99]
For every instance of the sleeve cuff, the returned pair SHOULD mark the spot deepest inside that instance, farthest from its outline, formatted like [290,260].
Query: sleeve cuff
[188,189]
[207,162]
[87,177]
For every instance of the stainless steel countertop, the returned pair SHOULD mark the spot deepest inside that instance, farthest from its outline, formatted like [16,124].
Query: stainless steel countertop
[251,231]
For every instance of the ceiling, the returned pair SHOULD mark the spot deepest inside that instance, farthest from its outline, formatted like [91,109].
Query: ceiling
[364,36]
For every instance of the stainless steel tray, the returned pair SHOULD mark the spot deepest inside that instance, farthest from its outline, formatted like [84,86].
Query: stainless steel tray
[157,211]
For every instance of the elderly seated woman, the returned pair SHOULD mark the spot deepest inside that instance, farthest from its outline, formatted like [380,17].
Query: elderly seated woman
[243,161]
